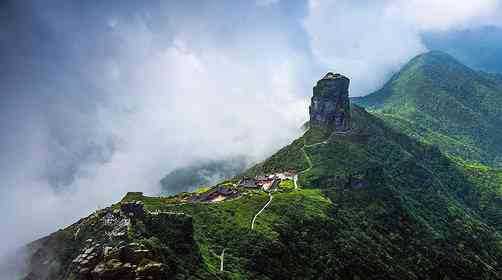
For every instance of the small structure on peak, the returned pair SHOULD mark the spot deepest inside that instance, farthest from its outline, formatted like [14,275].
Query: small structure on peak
[330,104]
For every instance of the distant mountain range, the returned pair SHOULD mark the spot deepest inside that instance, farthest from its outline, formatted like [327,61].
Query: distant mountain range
[203,173]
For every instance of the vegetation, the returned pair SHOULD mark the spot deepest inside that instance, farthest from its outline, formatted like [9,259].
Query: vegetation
[437,100]
[377,202]
[288,158]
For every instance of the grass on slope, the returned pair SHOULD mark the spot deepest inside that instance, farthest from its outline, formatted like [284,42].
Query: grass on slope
[438,100]
[228,224]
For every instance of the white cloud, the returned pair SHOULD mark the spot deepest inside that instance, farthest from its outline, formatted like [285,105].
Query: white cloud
[163,105]
[369,40]
[445,14]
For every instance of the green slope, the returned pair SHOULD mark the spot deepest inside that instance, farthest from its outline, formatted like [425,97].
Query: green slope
[399,196]
[374,203]
[439,100]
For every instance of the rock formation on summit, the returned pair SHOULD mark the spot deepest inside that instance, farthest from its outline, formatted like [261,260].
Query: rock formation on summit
[330,104]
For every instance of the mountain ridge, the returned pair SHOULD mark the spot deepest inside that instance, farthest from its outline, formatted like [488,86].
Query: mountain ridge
[437,99]
[355,197]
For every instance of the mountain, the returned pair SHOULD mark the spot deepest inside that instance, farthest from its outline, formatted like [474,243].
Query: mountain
[353,198]
[438,100]
[203,173]
[479,48]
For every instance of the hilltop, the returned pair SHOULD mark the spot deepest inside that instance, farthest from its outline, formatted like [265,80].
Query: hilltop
[440,101]
[353,198]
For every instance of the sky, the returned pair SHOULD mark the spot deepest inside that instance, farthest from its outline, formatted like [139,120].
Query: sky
[98,98]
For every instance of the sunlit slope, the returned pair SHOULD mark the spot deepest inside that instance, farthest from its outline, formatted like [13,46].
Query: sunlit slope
[439,100]
[373,203]
[388,188]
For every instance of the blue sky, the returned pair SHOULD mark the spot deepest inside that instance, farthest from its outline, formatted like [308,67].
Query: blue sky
[103,97]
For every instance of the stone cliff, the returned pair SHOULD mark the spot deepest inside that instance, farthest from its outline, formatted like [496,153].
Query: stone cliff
[330,105]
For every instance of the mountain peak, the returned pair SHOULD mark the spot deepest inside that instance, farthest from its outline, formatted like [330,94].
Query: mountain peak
[436,53]
[331,75]
[445,102]
[436,61]
[330,105]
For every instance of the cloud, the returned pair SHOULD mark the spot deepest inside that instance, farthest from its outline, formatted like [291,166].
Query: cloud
[112,97]
[265,3]
[370,40]
[103,98]
[429,15]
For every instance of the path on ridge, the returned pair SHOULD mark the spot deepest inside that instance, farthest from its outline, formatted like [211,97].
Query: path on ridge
[295,178]
[309,160]
[261,210]
[307,157]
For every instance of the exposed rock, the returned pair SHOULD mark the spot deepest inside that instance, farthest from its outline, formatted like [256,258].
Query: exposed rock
[112,271]
[109,219]
[152,270]
[134,254]
[330,104]
[133,209]
[87,260]
[128,258]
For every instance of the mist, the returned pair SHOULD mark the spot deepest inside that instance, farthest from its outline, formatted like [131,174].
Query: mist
[371,40]
[100,98]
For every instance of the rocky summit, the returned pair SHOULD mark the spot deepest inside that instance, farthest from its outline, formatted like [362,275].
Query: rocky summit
[330,105]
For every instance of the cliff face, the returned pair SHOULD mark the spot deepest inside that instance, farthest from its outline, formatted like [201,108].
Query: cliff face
[330,105]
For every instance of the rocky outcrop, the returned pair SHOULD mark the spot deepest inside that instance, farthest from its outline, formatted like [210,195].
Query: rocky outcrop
[133,209]
[132,261]
[118,243]
[330,105]
[89,257]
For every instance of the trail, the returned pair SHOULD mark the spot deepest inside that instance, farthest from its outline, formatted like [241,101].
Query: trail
[221,258]
[295,178]
[261,210]
[307,157]
[309,160]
